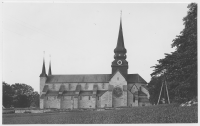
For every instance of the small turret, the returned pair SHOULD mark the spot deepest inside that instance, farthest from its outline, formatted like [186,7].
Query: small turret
[43,74]
[49,73]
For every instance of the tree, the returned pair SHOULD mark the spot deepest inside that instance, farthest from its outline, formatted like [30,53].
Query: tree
[19,95]
[34,99]
[22,96]
[180,66]
[154,89]
[7,95]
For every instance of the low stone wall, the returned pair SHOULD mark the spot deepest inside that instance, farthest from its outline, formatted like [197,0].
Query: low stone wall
[32,110]
[8,111]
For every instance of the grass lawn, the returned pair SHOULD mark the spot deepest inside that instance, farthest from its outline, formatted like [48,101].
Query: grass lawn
[150,114]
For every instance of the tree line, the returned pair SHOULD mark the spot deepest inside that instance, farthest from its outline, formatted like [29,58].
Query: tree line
[19,96]
[179,68]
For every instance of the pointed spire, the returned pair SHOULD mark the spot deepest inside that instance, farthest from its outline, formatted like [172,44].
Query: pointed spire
[43,74]
[49,66]
[120,42]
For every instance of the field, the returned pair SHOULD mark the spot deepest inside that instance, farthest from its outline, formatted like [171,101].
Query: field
[150,114]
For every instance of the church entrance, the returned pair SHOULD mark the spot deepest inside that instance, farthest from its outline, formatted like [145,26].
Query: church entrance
[117,98]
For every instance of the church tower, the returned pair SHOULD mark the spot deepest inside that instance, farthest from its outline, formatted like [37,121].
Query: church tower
[43,77]
[120,62]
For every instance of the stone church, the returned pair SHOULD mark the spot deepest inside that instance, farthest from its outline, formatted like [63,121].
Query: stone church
[118,89]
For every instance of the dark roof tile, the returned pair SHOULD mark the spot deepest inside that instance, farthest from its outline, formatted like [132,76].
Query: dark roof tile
[135,78]
[91,78]
[85,78]
[45,89]
[141,93]
[101,92]
[69,93]
[86,93]
[52,93]
[62,88]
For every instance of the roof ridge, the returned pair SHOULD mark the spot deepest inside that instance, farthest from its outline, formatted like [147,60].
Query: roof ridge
[77,74]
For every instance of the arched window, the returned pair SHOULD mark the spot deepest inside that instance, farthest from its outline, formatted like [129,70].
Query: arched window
[103,86]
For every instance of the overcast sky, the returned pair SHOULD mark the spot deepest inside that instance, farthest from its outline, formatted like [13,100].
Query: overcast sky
[81,37]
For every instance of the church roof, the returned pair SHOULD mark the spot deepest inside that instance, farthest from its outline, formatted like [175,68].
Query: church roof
[69,93]
[135,78]
[141,93]
[86,93]
[85,78]
[91,78]
[52,93]
[101,92]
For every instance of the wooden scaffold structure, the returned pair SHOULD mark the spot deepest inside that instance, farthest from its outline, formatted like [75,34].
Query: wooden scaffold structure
[163,92]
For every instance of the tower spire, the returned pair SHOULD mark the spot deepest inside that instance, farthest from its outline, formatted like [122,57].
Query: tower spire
[121,16]
[43,74]
[49,73]
[120,49]
[120,62]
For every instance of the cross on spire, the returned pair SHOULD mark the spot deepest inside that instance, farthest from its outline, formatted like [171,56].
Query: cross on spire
[121,15]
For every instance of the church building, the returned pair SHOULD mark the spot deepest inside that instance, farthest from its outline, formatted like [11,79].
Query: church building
[118,89]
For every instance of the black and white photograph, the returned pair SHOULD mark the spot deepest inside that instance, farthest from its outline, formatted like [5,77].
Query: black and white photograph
[99,62]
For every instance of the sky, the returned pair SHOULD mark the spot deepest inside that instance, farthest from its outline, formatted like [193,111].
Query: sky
[81,37]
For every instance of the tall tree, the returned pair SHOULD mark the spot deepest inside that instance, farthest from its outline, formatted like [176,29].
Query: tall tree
[19,95]
[22,95]
[7,95]
[180,66]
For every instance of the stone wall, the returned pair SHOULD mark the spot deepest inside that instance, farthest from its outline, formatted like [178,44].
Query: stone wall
[124,102]
[110,99]
[87,102]
[42,83]
[130,98]
[76,102]
[104,100]
[54,87]
[52,102]
[41,103]
[67,102]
